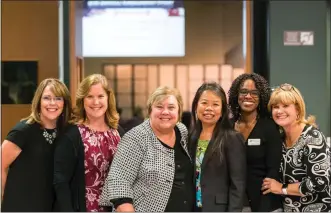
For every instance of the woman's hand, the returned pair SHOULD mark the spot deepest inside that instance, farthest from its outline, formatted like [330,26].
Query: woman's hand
[270,185]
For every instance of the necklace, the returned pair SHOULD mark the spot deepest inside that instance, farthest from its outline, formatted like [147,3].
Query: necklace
[249,124]
[246,128]
[50,137]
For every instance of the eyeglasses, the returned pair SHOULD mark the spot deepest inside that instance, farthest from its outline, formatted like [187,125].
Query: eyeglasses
[49,99]
[287,87]
[253,93]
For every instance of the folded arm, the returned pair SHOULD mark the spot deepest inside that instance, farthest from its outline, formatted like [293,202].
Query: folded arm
[316,158]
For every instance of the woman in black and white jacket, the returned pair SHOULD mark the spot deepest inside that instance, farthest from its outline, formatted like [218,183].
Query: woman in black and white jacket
[152,169]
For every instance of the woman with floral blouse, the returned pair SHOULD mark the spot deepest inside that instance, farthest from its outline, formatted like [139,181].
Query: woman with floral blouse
[305,165]
[85,151]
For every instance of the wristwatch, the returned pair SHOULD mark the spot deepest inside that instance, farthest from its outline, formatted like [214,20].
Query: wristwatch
[284,189]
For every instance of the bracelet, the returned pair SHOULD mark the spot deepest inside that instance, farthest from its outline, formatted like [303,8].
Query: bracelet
[284,188]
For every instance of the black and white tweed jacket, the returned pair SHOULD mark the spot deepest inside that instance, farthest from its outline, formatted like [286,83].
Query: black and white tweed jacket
[142,169]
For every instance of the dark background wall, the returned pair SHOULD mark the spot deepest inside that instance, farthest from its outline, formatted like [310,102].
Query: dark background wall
[306,67]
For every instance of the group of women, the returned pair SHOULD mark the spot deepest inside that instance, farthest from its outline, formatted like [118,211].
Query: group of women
[252,151]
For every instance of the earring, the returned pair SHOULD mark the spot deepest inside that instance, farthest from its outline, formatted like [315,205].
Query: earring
[196,116]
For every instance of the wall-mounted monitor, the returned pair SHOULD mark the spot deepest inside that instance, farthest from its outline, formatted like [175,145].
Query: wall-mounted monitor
[134,28]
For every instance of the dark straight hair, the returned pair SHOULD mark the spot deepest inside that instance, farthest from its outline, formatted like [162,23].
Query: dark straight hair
[223,126]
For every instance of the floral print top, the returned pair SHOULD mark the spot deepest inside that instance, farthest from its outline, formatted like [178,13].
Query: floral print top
[200,153]
[308,162]
[99,148]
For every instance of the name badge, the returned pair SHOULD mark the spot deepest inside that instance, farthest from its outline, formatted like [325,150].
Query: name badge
[254,142]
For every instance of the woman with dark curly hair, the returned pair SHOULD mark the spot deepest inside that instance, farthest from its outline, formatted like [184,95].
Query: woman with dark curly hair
[249,95]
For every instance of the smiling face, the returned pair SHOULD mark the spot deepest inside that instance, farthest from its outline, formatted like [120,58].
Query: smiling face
[209,108]
[96,102]
[164,114]
[51,106]
[248,96]
[284,114]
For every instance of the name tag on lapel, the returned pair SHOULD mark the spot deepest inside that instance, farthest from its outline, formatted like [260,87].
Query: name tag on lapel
[254,142]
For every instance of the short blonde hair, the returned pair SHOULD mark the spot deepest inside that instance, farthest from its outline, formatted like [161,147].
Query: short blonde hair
[60,90]
[288,94]
[111,116]
[162,93]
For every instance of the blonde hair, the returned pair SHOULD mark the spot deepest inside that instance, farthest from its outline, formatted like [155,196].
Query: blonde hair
[60,90]
[291,96]
[162,93]
[111,116]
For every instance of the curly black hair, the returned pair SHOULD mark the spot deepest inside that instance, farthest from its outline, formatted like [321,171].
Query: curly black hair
[261,85]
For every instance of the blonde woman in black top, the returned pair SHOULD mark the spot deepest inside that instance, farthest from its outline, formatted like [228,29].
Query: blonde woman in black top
[27,152]
[248,100]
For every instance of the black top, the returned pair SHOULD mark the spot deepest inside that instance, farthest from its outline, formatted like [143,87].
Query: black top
[69,172]
[121,131]
[29,182]
[263,151]
[182,193]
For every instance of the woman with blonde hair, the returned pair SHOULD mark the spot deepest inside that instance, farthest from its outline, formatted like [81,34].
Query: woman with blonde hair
[85,151]
[152,170]
[27,152]
[305,165]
